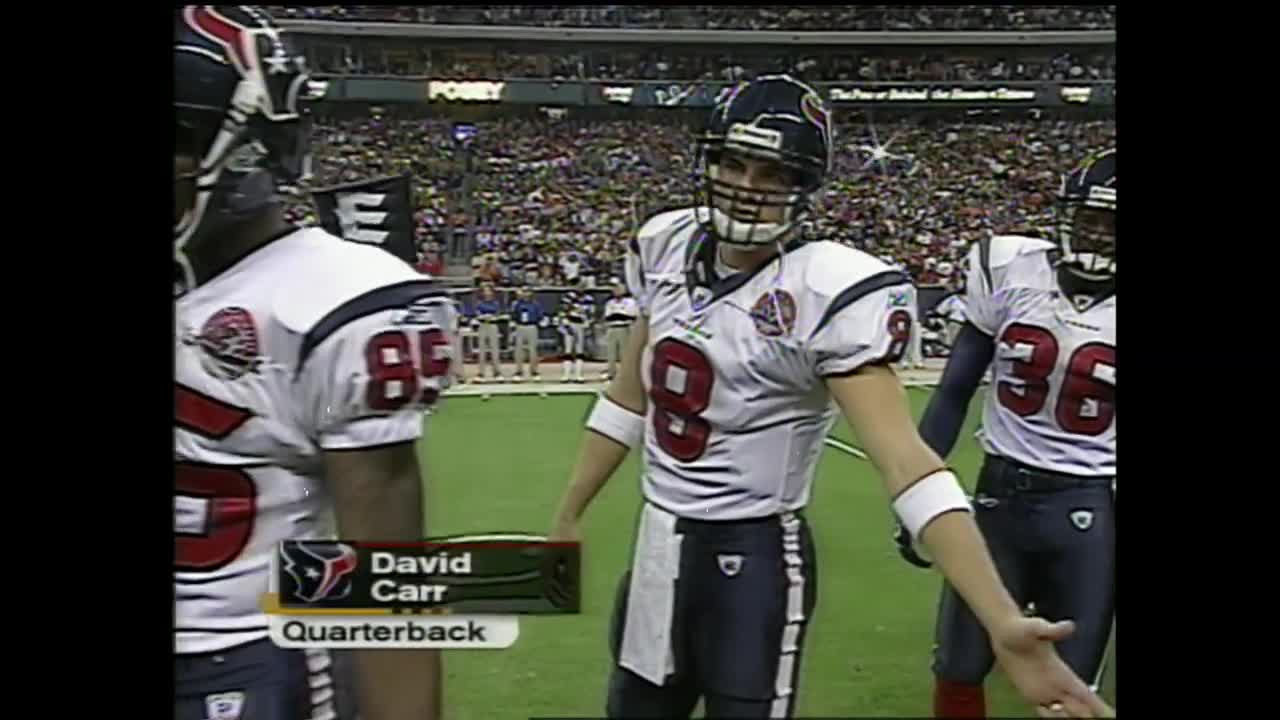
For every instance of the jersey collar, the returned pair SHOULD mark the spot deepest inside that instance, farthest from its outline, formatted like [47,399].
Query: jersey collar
[702,282]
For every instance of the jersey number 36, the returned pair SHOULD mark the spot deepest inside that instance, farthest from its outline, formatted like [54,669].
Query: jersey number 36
[1086,404]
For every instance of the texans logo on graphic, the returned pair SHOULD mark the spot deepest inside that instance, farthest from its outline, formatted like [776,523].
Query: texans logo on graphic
[318,570]
[228,342]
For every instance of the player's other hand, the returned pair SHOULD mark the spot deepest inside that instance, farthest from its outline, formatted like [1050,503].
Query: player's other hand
[1024,649]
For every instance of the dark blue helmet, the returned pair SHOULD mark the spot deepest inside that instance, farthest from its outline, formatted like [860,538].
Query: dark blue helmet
[775,118]
[1087,218]
[237,87]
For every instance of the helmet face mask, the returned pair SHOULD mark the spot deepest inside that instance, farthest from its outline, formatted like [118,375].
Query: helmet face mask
[1087,219]
[765,151]
[1089,242]
[754,199]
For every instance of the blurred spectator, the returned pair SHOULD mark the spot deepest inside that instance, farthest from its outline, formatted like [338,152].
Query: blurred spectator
[430,261]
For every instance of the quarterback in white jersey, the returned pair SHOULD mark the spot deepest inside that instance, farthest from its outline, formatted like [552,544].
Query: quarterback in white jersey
[1044,317]
[746,335]
[822,309]
[303,364]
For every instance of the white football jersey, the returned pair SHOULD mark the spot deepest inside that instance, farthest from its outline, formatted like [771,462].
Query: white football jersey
[308,344]
[1053,401]
[737,404]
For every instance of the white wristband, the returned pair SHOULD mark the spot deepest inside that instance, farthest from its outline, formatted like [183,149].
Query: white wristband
[929,497]
[616,422]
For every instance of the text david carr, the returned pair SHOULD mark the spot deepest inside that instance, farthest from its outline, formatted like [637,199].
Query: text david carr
[442,563]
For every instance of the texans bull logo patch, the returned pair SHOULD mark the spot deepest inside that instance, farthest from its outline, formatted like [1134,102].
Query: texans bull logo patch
[774,313]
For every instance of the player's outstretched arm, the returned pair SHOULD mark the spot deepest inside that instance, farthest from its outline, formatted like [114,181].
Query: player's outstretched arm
[932,504]
[378,495]
[615,425]
[949,404]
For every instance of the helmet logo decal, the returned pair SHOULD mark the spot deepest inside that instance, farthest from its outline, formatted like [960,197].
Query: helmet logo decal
[811,106]
[230,35]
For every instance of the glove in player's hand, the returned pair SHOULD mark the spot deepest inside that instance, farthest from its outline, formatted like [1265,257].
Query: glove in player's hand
[1024,647]
[907,548]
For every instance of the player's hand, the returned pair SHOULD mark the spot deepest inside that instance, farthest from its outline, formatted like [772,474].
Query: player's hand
[907,548]
[1024,647]
[560,577]
[565,531]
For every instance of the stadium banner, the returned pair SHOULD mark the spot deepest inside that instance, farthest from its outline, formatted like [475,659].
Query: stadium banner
[1028,94]
[650,93]
[461,592]
[540,92]
[657,94]
[376,212]
[484,91]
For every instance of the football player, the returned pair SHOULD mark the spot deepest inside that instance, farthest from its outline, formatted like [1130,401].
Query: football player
[303,365]
[574,316]
[1046,316]
[746,334]
[619,313]
[526,316]
[488,314]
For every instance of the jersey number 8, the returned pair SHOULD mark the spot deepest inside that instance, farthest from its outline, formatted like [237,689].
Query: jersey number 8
[681,433]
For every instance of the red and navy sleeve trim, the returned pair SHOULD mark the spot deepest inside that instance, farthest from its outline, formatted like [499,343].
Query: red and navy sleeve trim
[387,297]
[859,290]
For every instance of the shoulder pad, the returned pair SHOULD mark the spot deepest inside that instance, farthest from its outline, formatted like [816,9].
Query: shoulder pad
[831,268]
[655,227]
[1000,251]
[330,273]
[1004,249]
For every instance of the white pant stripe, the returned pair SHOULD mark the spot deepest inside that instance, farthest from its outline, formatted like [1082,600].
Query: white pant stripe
[784,681]
[322,691]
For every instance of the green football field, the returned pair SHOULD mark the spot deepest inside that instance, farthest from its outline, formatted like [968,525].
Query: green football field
[501,465]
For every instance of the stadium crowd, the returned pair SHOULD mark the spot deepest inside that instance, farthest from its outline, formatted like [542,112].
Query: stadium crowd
[553,202]
[405,57]
[730,17]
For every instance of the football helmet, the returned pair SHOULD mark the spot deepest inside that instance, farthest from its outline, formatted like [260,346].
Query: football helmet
[237,86]
[1087,218]
[774,117]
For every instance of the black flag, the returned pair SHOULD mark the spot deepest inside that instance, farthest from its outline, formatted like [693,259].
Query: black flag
[377,212]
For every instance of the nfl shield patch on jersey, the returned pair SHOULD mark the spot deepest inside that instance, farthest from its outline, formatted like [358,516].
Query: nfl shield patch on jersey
[224,706]
[1082,519]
